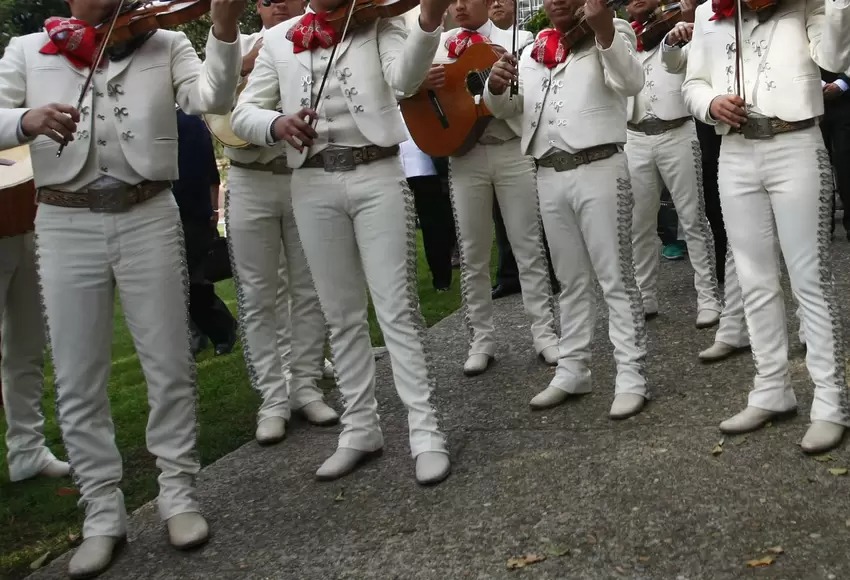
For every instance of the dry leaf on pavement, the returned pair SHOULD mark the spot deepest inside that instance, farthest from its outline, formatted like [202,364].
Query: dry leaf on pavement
[718,449]
[776,550]
[823,458]
[523,561]
[557,551]
[340,496]
[761,562]
[838,470]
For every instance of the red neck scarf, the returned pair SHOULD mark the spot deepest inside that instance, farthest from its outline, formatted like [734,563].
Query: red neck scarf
[722,9]
[311,32]
[548,49]
[74,39]
[638,28]
[457,44]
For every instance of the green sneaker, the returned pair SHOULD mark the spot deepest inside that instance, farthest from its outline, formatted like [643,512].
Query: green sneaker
[673,252]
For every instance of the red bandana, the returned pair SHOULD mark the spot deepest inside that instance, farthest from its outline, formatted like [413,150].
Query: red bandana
[457,44]
[638,28]
[722,9]
[311,32]
[548,49]
[74,39]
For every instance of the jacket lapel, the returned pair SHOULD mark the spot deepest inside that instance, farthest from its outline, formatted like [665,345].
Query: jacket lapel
[115,68]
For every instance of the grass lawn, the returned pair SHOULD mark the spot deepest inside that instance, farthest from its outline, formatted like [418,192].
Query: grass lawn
[41,516]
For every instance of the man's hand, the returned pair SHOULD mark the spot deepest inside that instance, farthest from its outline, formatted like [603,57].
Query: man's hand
[431,14]
[681,34]
[436,78]
[502,74]
[831,91]
[225,18]
[689,8]
[57,121]
[249,59]
[295,129]
[601,20]
[728,109]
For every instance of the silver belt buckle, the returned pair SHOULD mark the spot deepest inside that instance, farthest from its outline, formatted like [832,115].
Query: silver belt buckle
[564,162]
[338,159]
[757,127]
[109,200]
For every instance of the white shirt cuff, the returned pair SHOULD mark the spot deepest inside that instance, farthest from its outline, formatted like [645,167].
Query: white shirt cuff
[841,84]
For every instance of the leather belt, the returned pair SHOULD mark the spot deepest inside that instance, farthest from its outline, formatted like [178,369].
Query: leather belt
[335,159]
[277,166]
[758,127]
[563,161]
[655,126]
[116,199]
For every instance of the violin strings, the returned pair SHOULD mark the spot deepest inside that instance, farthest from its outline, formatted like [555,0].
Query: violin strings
[318,102]
[100,52]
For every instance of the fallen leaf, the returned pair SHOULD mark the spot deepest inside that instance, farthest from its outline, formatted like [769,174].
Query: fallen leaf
[718,449]
[838,470]
[643,559]
[776,550]
[620,569]
[39,562]
[340,496]
[761,562]
[740,440]
[722,441]
[73,539]
[823,458]
[66,491]
[523,561]
[557,551]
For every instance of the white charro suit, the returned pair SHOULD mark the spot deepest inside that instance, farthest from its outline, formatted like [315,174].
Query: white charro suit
[781,184]
[127,134]
[670,158]
[587,211]
[495,165]
[358,226]
[258,213]
[21,368]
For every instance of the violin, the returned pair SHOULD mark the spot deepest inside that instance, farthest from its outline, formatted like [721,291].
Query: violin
[365,12]
[581,30]
[132,22]
[138,18]
[661,21]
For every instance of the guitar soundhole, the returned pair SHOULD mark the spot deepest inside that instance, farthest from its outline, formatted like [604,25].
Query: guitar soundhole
[475,83]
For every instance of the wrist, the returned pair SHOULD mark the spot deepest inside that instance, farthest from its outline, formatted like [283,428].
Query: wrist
[428,23]
[495,91]
[228,32]
[605,37]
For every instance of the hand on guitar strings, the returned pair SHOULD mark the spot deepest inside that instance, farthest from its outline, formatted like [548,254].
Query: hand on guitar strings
[503,73]
[56,121]
[436,78]
[296,129]
[680,35]
[728,109]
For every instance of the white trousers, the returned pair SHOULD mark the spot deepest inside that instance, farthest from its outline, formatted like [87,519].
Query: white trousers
[359,230]
[672,159]
[587,213]
[21,369]
[259,216]
[473,179]
[784,185]
[284,318]
[83,258]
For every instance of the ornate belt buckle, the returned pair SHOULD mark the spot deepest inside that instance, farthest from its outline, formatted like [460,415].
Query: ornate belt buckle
[757,127]
[338,159]
[564,162]
[109,201]
[655,127]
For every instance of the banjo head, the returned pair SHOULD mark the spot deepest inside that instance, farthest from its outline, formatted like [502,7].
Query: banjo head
[15,166]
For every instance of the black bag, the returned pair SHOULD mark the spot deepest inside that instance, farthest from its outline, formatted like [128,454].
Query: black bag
[217,266]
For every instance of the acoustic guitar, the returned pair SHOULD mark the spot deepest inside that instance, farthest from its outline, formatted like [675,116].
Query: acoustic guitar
[221,128]
[17,192]
[449,121]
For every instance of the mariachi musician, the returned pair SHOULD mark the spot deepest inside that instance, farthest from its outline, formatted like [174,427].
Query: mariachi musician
[495,165]
[352,206]
[662,149]
[763,94]
[107,220]
[261,226]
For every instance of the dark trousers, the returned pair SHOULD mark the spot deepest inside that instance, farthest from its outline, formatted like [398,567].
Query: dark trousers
[206,310]
[709,143]
[434,210]
[836,136]
[507,272]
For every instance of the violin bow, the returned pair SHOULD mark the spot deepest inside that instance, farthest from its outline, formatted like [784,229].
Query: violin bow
[740,87]
[318,102]
[515,82]
[100,52]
